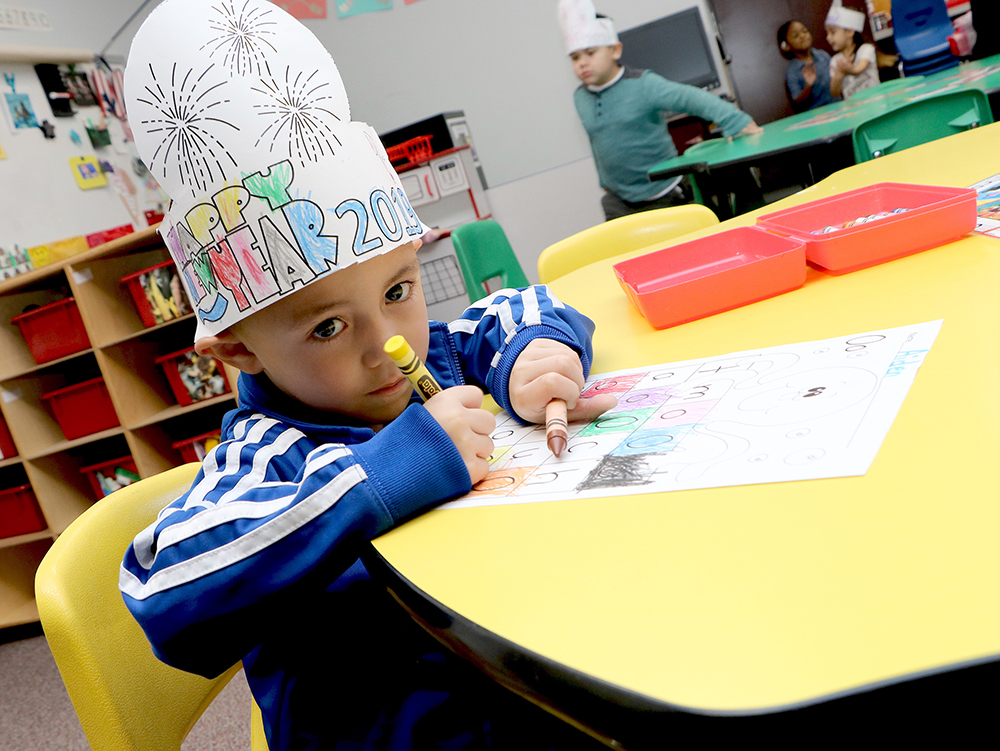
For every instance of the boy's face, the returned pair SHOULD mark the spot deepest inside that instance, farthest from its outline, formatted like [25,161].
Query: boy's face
[596,66]
[323,345]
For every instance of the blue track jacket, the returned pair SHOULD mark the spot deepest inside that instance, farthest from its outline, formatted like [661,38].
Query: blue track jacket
[259,560]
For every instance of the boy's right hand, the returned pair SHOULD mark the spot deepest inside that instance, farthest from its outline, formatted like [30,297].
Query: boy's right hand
[458,410]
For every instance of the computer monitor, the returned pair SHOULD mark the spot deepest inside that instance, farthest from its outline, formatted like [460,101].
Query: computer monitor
[675,46]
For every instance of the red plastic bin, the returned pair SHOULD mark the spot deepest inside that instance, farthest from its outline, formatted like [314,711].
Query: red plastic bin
[19,512]
[712,274]
[83,408]
[157,293]
[935,215]
[412,151]
[194,449]
[53,331]
[193,377]
[7,447]
[109,476]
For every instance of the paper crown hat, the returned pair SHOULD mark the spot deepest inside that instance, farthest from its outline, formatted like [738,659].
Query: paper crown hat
[845,18]
[241,115]
[582,28]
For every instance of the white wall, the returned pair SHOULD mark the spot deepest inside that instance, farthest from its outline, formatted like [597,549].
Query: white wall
[501,61]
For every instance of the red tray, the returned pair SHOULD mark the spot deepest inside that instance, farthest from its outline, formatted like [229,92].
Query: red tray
[712,274]
[936,215]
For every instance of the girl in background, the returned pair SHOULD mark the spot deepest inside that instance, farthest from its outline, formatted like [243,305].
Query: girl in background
[854,67]
[807,79]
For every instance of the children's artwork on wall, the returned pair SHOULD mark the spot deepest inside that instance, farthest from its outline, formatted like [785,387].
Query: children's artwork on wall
[87,172]
[20,111]
[3,154]
[303,8]
[78,85]
[804,411]
[347,8]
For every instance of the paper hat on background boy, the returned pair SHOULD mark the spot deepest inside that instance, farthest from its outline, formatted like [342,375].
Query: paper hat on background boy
[582,28]
[845,18]
[241,115]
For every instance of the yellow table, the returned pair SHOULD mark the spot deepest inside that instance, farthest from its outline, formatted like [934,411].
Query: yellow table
[748,600]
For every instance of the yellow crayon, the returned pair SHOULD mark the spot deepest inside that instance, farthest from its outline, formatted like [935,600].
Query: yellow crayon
[411,366]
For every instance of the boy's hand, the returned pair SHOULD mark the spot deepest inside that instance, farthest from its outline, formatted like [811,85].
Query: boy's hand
[547,370]
[458,411]
[751,128]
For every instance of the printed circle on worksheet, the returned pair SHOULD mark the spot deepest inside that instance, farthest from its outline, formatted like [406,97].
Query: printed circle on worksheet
[808,395]
[805,456]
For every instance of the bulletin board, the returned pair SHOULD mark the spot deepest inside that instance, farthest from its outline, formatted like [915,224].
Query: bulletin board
[42,199]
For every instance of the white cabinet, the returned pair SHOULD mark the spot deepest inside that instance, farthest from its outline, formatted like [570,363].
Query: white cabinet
[446,191]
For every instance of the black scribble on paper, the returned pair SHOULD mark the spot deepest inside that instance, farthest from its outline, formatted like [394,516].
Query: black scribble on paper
[617,472]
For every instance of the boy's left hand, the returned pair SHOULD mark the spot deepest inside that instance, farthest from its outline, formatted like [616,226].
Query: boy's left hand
[547,370]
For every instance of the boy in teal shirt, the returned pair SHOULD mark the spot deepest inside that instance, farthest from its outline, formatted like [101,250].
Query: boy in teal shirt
[623,109]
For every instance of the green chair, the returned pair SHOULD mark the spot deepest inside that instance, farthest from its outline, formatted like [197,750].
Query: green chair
[484,255]
[921,121]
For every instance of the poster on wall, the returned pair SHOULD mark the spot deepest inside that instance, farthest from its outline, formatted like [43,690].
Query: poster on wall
[347,8]
[303,8]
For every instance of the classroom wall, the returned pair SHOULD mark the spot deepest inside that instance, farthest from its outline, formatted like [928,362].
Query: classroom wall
[501,61]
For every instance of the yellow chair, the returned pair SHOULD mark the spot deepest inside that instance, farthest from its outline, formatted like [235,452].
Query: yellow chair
[620,236]
[126,699]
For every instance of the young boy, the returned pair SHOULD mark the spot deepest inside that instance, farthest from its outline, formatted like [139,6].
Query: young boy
[623,110]
[237,108]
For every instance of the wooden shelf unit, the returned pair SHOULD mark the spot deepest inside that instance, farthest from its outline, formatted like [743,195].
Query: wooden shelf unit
[123,352]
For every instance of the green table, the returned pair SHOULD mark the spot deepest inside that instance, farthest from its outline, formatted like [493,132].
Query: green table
[979,74]
[824,125]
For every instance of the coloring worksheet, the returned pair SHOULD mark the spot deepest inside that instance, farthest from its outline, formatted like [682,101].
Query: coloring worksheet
[797,412]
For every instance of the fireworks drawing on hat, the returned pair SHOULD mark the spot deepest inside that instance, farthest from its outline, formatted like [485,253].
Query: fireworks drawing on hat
[241,37]
[299,121]
[188,148]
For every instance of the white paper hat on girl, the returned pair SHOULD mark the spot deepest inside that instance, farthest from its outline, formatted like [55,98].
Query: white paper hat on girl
[845,18]
[241,115]
[581,27]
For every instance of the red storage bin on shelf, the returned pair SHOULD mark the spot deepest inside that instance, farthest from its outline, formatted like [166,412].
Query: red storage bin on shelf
[110,476]
[19,512]
[933,216]
[195,449]
[412,151]
[83,408]
[7,447]
[193,377]
[107,235]
[157,293]
[53,331]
